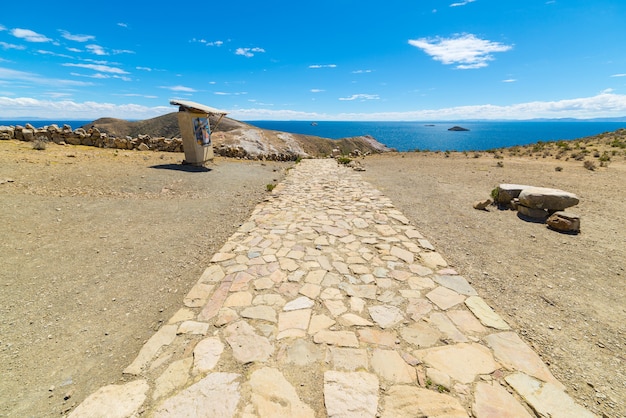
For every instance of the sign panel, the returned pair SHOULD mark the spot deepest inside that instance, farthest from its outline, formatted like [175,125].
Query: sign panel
[202,131]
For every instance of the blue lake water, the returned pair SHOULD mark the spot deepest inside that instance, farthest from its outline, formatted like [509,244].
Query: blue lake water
[407,136]
[434,136]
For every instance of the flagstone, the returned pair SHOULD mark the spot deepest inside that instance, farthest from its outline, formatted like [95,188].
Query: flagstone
[485,314]
[447,327]
[238,299]
[350,394]
[183,314]
[164,336]
[212,274]
[421,283]
[420,335]
[432,259]
[386,316]
[263,312]
[273,396]
[491,400]
[301,352]
[310,290]
[462,362]
[247,346]
[390,366]
[378,337]
[206,354]
[335,307]
[320,322]
[225,316]
[298,319]
[418,308]
[352,320]
[173,378]
[193,327]
[456,283]
[516,355]
[349,359]
[402,254]
[270,299]
[548,399]
[217,395]
[198,295]
[466,321]
[337,338]
[315,276]
[444,298]
[114,401]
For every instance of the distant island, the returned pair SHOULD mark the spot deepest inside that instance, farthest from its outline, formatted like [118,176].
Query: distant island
[458,128]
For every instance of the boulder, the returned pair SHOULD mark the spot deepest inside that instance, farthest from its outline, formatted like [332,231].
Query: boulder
[534,213]
[564,221]
[508,192]
[545,198]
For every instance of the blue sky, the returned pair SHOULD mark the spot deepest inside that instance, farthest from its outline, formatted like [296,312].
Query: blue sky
[322,60]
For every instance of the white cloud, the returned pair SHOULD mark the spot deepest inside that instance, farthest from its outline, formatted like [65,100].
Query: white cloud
[463,3]
[123,51]
[248,52]
[144,68]
[98,67]
[179,88]
[122,25]
[602,105]
[74,50]
[54,54]
[361,97]
[76,38]
[323,66]
[29,35]
[509,80]
[316,90]
[2,28]
[619,75]
[96,49]
[13,76]
[71,110]
[361,71]
[5,45]
[466,50]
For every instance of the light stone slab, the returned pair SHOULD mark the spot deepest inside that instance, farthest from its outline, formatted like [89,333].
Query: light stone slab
[217,395]
[491,400]
[173,378]
[163,336]
[336,338]
[206,354]
[547,399]
[444,298]
[411,401]
[273,396]
[485,314]
[113,401]
[350,394]
[386,316]
[247,346]
[390,366]
[463,362]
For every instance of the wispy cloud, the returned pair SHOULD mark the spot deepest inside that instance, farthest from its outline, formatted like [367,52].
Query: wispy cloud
[29,35]
[122,25]
[466,51]
[5,45]
[361,71]
[98,67]
[323,66]
[207,43]
[316,90]
[96,49]
[361,97]
[619,75]
[509,80]
[248,52]
[27,77]
[179,88]
[77,38]
[2,28]
[237,93]
[462,3]
[54,54]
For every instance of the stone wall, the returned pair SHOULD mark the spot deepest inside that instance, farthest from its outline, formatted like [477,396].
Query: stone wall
[92,137]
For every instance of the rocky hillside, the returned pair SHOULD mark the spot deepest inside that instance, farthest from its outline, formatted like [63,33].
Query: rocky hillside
[238,139]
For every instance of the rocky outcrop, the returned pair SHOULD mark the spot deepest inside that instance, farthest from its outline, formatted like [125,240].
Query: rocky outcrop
[458,129]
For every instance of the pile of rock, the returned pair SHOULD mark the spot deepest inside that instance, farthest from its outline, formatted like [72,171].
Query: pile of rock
[542,204]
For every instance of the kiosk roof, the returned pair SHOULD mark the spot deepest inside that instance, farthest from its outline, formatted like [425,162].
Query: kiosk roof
[197,107]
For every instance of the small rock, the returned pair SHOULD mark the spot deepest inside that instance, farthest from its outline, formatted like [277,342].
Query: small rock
[482,204]
[564,221]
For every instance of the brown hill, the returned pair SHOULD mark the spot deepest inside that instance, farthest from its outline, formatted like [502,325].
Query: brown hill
[239,139]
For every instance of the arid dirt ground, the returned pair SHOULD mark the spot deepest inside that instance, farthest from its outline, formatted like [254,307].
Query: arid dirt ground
[564,294]
[100,246]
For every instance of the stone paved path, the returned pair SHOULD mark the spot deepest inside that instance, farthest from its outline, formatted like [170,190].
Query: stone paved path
[327,302]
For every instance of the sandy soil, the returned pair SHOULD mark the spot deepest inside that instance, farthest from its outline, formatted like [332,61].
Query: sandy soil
[564,294]
[99,247]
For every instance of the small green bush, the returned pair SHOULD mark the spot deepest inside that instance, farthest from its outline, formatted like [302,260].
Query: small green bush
[270,187]
[344,160]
